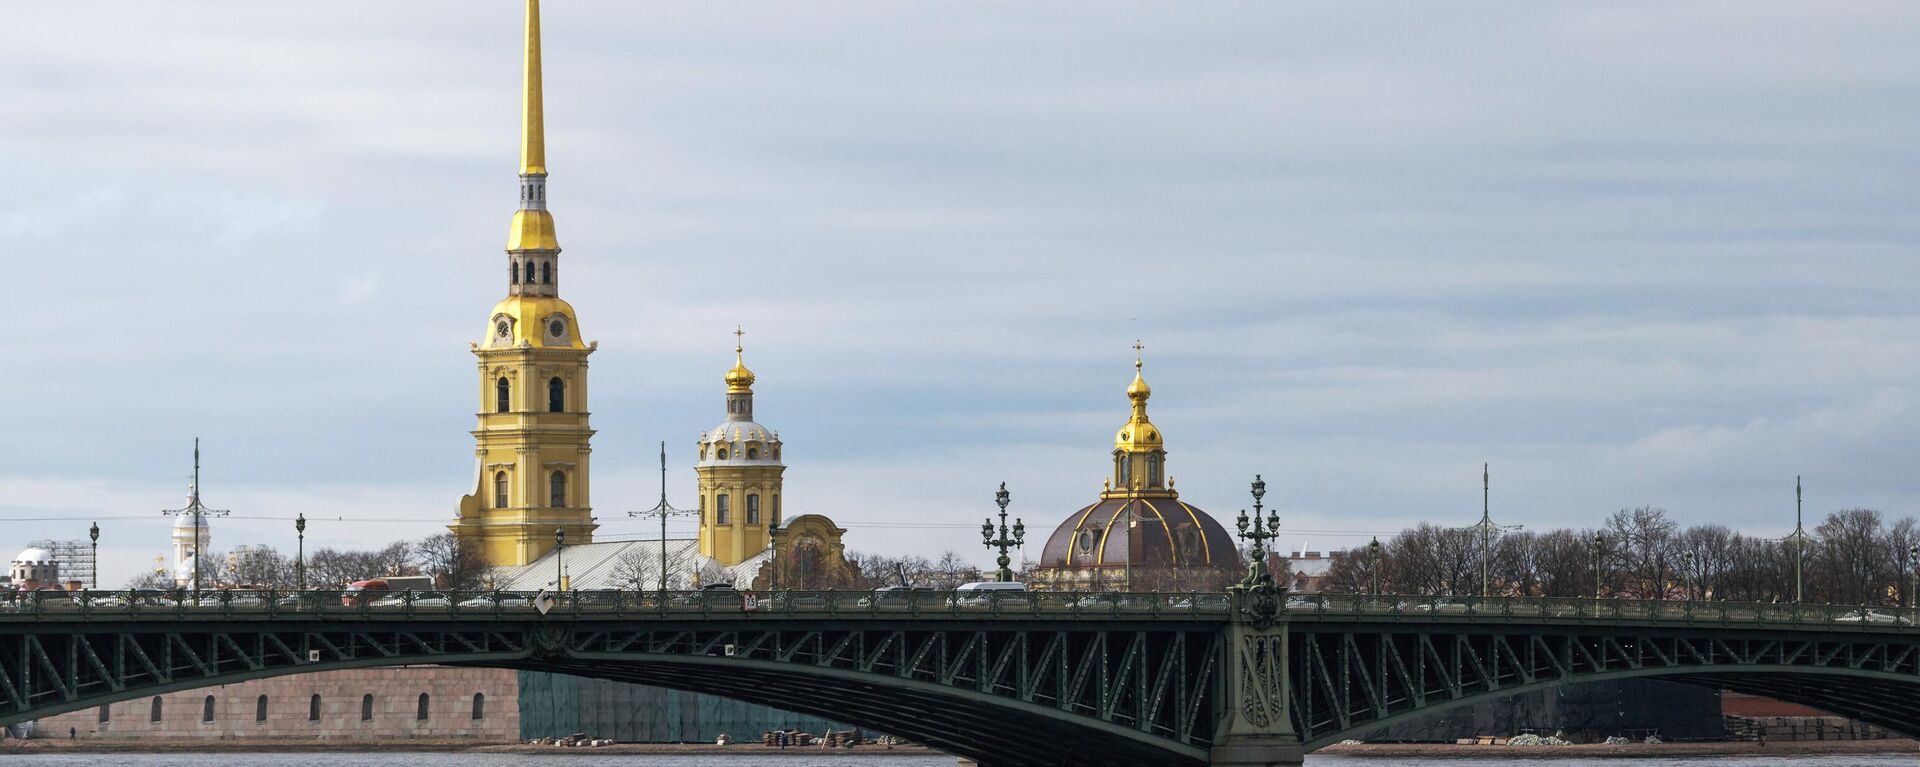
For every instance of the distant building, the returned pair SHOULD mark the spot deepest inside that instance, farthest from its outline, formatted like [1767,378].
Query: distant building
[34,568]
[75,559]
[1307,570]
[1139,536]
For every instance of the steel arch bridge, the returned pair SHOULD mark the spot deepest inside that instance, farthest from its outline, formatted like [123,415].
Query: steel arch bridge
[1055,679]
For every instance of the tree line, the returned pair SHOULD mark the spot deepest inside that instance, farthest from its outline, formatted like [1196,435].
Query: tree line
[1852,557]
[453,564]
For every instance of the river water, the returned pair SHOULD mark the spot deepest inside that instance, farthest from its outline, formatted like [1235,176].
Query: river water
[578,759]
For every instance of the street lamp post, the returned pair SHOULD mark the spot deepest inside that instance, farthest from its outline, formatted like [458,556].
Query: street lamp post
[1487,529]
[1599,555]
[1373,565]
[1799,543]
[1913,576]
[300,552]
[93,578]
[198,512]
[559,552]
[1688,559]
[1009,537]
[1259,531]
[773,550]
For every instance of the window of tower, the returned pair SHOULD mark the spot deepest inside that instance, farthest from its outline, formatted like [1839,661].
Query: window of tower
[753,508]
[499,489]
[752,452]
[546,272]
[1123,470]
[557,490]
[720,509]
[703,508]
[1153,469]
[556,395]
[515,268]
[502,396]
[776,508]
[723,454]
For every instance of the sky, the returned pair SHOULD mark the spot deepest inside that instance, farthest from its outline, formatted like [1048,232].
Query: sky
[1626,253]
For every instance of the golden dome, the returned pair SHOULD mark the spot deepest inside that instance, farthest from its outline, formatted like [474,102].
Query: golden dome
[739,379]
[537,321]
[1138,434]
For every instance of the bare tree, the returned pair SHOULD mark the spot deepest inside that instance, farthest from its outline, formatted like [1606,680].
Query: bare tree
[1643,541]
[456,564]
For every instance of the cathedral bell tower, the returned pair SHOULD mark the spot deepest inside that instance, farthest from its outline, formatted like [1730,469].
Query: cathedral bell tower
[739,472]
[530,449]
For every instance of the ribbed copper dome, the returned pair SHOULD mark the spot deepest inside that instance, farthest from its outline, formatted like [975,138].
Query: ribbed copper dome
[1165,532]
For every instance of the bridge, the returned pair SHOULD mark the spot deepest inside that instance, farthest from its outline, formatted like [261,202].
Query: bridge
[1248,677]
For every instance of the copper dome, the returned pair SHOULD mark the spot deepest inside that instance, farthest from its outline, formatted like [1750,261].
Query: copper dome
[1166,532]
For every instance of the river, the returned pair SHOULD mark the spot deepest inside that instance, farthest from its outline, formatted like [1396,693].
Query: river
[578,759]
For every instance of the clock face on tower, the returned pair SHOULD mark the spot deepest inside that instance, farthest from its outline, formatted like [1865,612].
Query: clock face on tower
[502,328]
[557,328]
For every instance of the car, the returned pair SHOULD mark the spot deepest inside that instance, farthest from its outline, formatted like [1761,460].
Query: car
[502,600]
[1437,606]
[1206,602]
[418,599]
[801,600]
[230,599]
[1872,617]
[989,593]
[897,597]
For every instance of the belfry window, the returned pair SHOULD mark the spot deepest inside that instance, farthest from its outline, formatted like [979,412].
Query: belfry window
[752,452]
[720,509]
[557,489]
[499,489]
[753,508]
[546,272]
[502,396]
[1123,471]
[703,508]
[1153,470]
[516,272]
[556,395]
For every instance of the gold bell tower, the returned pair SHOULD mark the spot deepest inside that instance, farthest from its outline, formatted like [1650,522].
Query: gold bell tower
[739,472]
[1139,451]
[530,449]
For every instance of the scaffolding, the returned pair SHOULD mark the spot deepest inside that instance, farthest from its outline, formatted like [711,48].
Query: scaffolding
[74,558]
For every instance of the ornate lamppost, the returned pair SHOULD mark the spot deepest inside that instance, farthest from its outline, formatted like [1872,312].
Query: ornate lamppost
[773,551]
[198,512]
[93,578]
[559,551]
[1373,564]
[663,510]
[1258,531]
[1009,537]
[300,552]
[1913,577]
[1799,543]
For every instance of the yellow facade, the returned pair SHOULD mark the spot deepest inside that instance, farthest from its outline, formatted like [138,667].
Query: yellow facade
[739,469]
[531,448]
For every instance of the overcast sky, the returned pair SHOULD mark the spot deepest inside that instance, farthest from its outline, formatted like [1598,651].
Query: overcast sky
[1629,253]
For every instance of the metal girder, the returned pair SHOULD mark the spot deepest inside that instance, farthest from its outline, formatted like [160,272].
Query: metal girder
[1339,691]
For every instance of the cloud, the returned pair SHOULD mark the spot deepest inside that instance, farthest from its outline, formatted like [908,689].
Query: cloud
[1627,254]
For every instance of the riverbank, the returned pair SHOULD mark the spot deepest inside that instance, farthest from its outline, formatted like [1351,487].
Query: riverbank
[1625,750]
[287,745]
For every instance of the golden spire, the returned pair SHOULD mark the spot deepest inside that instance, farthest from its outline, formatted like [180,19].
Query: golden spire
[739,379]
[1139,434]
[532,224]
[533,138]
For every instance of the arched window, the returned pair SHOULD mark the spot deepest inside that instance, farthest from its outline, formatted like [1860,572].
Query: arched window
[720,509]
[206,709]
[1123,471]
[516,272]
[106,714]
[479,706]
[366,707]
[557,490]
[260,709]
[556,395]
[313,708]
[502,396]
[421,712]
[1153,469]
[154,714]
[753,508]
[776,508]
[499,489]
[703,508]
[546,272]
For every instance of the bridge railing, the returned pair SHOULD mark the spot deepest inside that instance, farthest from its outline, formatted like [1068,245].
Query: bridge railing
[1610,610]
[272,603]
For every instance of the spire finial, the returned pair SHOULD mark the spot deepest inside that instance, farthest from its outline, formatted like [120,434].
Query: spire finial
[1137,349]
[533,136]
[737,342]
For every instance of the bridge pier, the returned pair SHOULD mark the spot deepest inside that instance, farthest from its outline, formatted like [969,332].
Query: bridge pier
[1256,725]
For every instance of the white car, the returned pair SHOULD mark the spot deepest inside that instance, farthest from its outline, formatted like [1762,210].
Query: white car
[1872,616]
[986,593]
[231,599]
[420,599]
[503,601]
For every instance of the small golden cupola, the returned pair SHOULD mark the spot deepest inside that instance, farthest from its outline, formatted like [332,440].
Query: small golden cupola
[739,379]
[1139,452]
[740,475]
